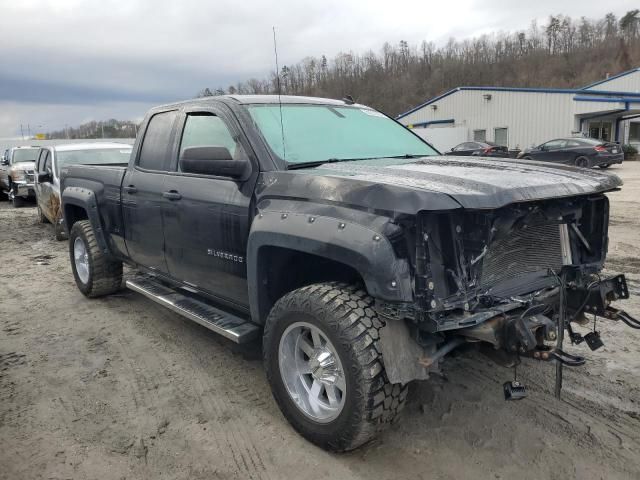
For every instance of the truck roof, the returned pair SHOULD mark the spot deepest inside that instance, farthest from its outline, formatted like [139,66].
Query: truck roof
[264,99]
[67,147]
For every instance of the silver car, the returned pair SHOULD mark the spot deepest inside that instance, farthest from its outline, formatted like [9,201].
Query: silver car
[52,159]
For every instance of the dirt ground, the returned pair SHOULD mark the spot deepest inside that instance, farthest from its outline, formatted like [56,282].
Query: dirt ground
[120,388]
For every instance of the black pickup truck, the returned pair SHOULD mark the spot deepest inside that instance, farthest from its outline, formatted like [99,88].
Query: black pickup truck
[357,253]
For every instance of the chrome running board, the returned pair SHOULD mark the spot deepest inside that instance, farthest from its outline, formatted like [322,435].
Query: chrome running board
[219,321]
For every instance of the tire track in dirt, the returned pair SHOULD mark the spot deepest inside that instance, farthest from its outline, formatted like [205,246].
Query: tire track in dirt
[246,458]
[237,437]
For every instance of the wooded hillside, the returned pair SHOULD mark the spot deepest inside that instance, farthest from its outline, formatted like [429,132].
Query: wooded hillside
[565,52]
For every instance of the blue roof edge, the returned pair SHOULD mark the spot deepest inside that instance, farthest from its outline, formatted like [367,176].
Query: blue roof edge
[517,89]
[622,74]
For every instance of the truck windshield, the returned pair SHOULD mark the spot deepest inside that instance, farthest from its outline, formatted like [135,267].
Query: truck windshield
[94,156]
[316,133]
[25,155]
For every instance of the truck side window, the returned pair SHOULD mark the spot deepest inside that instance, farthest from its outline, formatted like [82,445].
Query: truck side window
[154,151]
[206,129]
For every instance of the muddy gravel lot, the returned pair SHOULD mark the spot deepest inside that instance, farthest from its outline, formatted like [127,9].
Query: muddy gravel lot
[120,388]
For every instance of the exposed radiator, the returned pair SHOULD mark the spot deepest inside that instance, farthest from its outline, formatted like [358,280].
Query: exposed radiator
[529,250]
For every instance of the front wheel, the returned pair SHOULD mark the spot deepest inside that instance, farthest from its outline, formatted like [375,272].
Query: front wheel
[324,366]
[95,274]
[16,201]
[583,162]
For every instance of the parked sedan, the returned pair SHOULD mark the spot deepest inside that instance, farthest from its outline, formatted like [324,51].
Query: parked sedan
[581,152]
[53,159]
[479,149]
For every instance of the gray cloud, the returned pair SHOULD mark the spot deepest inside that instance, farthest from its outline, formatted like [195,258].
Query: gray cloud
[66,61]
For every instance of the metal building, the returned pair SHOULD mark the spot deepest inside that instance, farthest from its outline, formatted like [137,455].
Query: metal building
[523,117]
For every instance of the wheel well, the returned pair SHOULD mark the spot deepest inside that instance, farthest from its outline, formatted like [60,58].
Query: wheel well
[73,214]
[282,270]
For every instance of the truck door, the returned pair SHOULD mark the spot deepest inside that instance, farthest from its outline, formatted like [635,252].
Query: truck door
[39,168]
[206,218]
[142,189]
[44,190]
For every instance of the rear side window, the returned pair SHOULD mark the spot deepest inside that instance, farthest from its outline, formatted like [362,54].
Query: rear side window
[554,144]
[208,130]
[155,145]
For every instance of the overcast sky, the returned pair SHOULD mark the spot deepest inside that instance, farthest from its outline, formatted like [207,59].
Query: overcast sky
[71,61]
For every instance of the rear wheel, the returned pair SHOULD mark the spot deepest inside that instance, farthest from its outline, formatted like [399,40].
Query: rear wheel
[324,367]
[582,162]
[95,274]
[60,232]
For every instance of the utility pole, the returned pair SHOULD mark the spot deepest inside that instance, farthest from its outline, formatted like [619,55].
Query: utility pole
[102,126]
[28,131]
[21,132]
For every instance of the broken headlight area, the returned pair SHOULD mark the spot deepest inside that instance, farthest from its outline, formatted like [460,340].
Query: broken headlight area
[475,260]
[498,277]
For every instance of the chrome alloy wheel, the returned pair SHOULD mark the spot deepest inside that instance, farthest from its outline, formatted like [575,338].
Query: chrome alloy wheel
[81,258]
[312,372]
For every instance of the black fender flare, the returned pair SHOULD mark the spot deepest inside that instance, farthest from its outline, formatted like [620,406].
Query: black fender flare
[85,199]
[367,251]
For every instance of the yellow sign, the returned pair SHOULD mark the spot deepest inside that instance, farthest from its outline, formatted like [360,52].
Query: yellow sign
[40,136]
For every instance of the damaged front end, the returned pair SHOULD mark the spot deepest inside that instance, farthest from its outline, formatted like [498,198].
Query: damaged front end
[510,280]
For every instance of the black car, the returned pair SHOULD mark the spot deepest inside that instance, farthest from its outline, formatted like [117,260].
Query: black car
[480,149]
[581,152]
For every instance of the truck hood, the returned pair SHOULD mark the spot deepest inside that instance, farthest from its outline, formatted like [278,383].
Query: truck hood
[23,166]
[437,183]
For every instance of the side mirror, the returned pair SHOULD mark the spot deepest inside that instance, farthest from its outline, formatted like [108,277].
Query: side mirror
[4,162]
[212,160]
[452,149]
[45,177]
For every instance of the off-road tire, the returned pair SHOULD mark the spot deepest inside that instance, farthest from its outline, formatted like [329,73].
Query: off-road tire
[41,217]
[105,275]
[345,314]
[583,162]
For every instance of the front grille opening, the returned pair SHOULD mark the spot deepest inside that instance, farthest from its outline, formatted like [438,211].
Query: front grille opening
[534,249]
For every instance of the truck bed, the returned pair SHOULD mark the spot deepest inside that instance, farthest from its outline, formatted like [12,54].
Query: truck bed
[105,182]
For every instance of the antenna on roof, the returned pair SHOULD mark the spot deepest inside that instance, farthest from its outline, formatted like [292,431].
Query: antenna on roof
[275,51]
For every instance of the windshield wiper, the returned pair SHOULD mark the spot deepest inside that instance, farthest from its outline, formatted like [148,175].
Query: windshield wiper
[317,163]
[406,155]
[293,166]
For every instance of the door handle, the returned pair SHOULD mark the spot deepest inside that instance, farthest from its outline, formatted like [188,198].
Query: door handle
[130,189]
[172,195]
